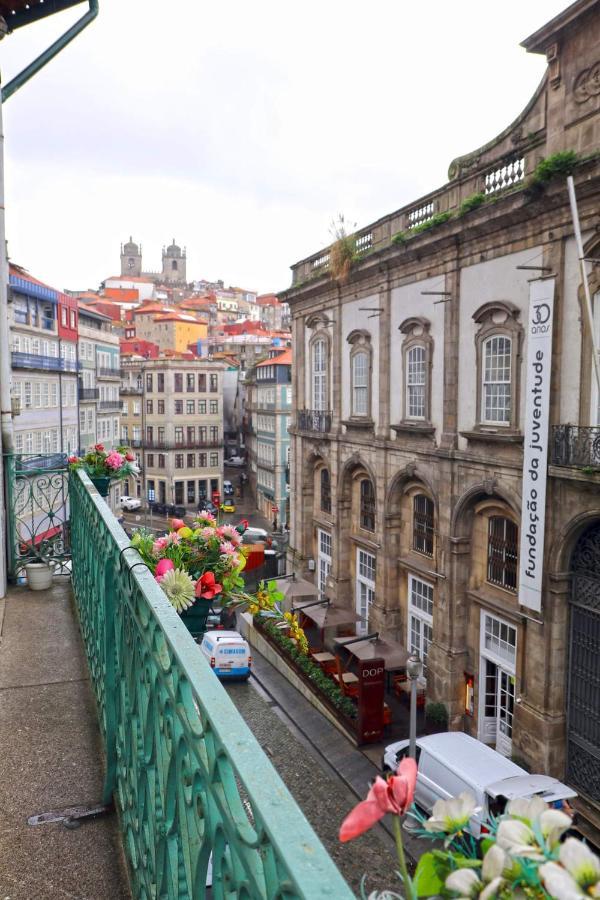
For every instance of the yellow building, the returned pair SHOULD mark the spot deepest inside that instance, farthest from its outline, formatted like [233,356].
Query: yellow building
[171,330]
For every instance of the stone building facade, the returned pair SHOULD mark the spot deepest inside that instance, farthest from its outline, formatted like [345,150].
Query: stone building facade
[407,452]
[173,417]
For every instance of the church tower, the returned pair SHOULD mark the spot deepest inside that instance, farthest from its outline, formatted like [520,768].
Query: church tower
[131,258]
[174,264]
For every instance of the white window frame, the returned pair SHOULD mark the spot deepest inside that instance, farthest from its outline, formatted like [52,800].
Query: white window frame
[366,569]
[493,379]
[416,382]
[324,560]
[360,383]
[320,362]
[420,618]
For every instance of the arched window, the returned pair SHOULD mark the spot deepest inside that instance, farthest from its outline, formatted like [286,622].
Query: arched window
[416,383]
[367,505]
[503,552]
[319,375]
[423,522]
[496,380]
[360,383]
[325,491]
[174,265]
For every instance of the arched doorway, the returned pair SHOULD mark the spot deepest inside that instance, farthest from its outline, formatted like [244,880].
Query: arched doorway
[583,703]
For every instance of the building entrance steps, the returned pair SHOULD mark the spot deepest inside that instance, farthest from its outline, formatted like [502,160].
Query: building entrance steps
[51,757]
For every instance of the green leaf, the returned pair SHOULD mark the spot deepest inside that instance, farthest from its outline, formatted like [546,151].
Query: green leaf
[427,881]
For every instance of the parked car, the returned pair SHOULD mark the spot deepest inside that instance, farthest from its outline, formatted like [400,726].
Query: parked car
[453,762]
[255,535]
[235,461]
[209,507]
[228,506]
[228,654]
[126,502]
[228,489]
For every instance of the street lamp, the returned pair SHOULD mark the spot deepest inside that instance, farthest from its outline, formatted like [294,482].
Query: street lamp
[414,668]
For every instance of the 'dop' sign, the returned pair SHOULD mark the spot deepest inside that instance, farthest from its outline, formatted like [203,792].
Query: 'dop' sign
[371,683]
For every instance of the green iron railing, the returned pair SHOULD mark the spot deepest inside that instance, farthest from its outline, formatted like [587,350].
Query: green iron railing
[37,510]
[191,783]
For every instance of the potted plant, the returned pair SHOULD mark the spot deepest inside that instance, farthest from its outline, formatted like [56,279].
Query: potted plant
[200,565]
[104,466]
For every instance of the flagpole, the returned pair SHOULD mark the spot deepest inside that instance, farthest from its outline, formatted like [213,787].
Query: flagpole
[584,276]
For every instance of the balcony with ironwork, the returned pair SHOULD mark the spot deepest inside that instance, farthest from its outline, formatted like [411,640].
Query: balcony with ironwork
[314,420]
[162,760]
[185,444]
[88,393]
[21,360]
[131,389]
[576,446]
[109,406]
[108,372]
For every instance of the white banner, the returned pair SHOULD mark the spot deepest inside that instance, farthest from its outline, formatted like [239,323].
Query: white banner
[535,443]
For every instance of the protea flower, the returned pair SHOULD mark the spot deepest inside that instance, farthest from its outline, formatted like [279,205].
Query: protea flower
[179,588]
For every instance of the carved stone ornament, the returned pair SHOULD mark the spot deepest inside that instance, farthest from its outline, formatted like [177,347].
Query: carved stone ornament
[489,485]
[317,320]
[587,84]
[553,60]
[410,469]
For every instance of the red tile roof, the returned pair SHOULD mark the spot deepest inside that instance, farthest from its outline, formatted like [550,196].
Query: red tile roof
[267,300]
[284,359]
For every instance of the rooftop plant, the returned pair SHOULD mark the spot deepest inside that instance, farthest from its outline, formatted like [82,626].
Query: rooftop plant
[471,202]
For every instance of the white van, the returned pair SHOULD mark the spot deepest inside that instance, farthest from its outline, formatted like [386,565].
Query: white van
[453,762]
[228,654]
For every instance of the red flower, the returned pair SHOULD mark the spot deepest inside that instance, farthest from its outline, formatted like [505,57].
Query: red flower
[129,456]
[73,459]
[392,796]
[99,448]
[207,587]
[176,524]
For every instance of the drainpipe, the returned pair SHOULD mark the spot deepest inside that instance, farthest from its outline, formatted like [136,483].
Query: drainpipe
[29,71]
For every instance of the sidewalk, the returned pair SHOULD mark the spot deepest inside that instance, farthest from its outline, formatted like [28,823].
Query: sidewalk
[51,757]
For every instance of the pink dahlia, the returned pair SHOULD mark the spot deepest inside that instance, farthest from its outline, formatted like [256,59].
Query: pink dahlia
[114,460]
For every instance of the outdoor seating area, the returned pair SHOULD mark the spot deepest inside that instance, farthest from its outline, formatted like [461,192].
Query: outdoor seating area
[337,647]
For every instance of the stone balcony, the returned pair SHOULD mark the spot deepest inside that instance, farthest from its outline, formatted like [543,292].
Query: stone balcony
[51,756]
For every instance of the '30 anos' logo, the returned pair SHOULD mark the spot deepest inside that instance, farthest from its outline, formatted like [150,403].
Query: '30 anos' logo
[541,318]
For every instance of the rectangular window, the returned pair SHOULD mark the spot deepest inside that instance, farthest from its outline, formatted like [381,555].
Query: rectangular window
[360,383]
[178,407]
[179,460]
[415,383]
[178,382]
[503,552]
[29,442]
[149,406]
[161,434]
[190,407]
[214,433]
[423,518]
[190,383]
[214,407]
[367,505]
[201,407]
[202,383]
[160,407]
[500,640]
[37,394]
[150,460]
[325,561]
[54,394]
[179,492]
[161,460]
[19,442]
[365,588]
[214,384]
[28,395]
[496,381]
[191,460]
[214,459]
[160,382]
[137,407]
[46,394]
[420,618]
[202,461]
[149,383]
[191,491]
[179,435]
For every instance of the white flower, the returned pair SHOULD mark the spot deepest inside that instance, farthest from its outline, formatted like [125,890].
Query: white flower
[179,588]
[465,882]
[528,810]
[578,876]
[518,839]
[451,816]
[526,820]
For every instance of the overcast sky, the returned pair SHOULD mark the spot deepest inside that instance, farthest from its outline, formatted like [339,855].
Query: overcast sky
[241,129]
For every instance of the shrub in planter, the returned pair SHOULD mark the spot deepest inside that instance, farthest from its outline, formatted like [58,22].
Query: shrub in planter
[437,714]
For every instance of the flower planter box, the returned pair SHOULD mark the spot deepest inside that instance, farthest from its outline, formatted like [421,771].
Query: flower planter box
[259,638]
[195,618]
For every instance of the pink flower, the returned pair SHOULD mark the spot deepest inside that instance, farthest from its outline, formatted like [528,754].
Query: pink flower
[162,567]
[207,533]
[392,796]
[176,524]
[172,538]
[99,448]
[227,548]
[73,459]
[207,587]
[159,545]
[229,532]
[114,460]
[129,456]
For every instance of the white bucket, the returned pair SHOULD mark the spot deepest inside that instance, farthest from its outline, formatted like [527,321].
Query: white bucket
[39,576]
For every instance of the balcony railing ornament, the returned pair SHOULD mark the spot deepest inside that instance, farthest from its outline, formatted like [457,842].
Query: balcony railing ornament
[576,445]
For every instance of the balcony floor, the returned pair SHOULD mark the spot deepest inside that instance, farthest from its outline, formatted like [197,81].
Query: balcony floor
[51,757]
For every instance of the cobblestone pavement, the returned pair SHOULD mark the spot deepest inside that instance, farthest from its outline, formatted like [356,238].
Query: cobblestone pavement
[323,797]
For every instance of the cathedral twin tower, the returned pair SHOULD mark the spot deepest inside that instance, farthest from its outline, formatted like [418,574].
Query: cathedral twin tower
[173,263]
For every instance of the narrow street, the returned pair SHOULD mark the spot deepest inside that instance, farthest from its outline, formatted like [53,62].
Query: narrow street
[325,773]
